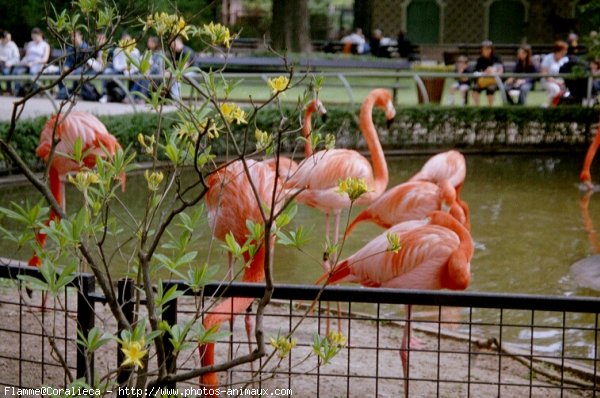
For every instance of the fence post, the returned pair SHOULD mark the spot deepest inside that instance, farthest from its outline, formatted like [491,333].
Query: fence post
[85,323]
[170,316]
[125,295]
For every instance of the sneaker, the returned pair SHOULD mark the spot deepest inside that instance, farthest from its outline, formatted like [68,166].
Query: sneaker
[103,99]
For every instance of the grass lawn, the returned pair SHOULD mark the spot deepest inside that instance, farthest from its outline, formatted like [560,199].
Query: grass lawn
[334,91]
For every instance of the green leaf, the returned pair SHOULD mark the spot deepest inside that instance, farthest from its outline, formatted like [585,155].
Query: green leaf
[33,283]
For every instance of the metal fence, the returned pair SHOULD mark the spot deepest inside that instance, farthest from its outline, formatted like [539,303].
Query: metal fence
[349,80]
[471,344]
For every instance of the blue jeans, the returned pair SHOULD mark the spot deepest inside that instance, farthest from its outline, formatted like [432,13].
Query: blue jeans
[24,70]
[7,70]
[62,89]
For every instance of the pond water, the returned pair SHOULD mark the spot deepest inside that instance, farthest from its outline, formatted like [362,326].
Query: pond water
[526,222]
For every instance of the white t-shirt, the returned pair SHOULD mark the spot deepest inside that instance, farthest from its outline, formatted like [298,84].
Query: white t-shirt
[551,64]
[9,53]
[36,52]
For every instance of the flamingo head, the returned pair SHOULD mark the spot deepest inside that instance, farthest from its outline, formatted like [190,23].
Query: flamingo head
[385,101]
[317,106]
[459,271]
[448,194]
[586,178]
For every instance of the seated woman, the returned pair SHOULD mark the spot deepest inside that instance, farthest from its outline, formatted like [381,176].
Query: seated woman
[521,86]
[37,53]
[487,64]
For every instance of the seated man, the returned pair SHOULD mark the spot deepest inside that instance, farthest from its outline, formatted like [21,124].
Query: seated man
[75,63]
[9,55]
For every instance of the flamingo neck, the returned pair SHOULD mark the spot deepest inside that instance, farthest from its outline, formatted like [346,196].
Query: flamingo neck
[447,192]
[466,243]
[589,157]
[57,189]
[306,130]
[367,128]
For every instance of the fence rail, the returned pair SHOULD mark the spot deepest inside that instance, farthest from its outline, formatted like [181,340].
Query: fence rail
[474,344]
[389,79]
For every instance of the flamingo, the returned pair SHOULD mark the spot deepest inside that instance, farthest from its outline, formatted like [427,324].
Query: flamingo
[410,201]
[287,166]
[434,254]
[451,166]
[320,173]
[585,175]
[96,142]
[230,202]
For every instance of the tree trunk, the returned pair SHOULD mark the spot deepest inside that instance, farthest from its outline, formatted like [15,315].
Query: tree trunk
[290,26]
[363,13]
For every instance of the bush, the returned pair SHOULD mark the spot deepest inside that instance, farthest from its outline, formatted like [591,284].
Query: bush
[414,127]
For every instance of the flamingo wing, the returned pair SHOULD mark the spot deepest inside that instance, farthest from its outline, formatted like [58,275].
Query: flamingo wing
[418,264]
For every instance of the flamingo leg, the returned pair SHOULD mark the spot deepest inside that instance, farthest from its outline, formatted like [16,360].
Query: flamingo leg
[404,349]
[325,265]
[336,233]
[327,268]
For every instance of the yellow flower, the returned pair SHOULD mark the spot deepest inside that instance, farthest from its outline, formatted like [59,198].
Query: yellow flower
[283,345]
[153,179]
[134,353]
[233,113]
[218,34]
[353,187]
[127,45]
[149,146]
[337,338]
[83,180]
[394,244]
[164,24]
[278,84]
[263,139]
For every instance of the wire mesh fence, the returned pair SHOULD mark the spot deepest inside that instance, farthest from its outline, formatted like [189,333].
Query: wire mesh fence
[462,344]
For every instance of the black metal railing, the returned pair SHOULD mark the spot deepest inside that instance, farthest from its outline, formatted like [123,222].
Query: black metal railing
[472,344]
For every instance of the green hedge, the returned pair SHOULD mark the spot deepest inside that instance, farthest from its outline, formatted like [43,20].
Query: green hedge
[414,127]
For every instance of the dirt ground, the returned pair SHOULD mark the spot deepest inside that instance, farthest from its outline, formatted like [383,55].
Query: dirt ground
[446,365]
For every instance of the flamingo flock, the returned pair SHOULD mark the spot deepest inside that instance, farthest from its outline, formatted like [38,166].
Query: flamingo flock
[426,213]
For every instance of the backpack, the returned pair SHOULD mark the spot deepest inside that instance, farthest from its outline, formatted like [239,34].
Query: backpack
[89,92]
[114,92]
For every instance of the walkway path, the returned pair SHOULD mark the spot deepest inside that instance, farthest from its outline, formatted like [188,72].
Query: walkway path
[42,106]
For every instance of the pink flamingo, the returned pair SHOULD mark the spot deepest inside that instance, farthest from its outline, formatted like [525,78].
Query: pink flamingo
[451,166]
[585,175]
[96,142]
[287,166]
[434,254]
[410,201]
[230,202]
[319,174]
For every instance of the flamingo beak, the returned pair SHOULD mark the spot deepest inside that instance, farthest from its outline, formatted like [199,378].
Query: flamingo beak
[324,117]
[389,123]
[445,207]
[390,113]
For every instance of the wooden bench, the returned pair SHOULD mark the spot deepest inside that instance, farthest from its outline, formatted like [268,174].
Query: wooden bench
[506,51]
